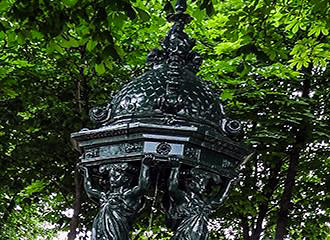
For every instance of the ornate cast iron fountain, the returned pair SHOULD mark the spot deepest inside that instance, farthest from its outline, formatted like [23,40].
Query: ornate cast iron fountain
[164,132]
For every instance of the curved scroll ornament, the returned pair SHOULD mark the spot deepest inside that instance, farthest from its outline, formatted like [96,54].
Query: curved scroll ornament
[100,114]
[190,208]
[231,127]
[121,203]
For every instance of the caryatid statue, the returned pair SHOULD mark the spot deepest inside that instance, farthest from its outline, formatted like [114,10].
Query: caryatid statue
[119,204]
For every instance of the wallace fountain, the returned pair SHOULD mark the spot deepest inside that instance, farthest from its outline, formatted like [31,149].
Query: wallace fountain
[163,132]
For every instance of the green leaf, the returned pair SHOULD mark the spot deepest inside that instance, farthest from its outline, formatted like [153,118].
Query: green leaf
[316,30]
[299,65]
[53,46]
[72,42]
[226,94]
[11,37]
[226,47]
[199,14]
[291,24]
[295,28]
[70,3]
[25,115]
[4,5]
[108,63]
[10,92]
[302,26]
[325,31]
[117,19]
[36,186]
[36,35]
[91,44]
[143,15]
[100,69]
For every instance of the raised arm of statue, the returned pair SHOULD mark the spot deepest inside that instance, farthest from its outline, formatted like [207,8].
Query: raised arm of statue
[144,178]
[173,182]
[92,192]
[221,196]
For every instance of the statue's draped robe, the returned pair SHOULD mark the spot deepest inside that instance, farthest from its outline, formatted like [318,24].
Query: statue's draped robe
[191,219]
[114,218]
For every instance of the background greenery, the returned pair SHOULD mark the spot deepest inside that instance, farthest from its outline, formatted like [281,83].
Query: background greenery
[268,59]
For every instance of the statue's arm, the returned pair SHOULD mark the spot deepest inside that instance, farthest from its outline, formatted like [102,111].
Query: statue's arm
[173,182]
[90,190]
[144,177]
[222,195]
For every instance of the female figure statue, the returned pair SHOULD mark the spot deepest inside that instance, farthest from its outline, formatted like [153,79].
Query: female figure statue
[121,203]
[189,209]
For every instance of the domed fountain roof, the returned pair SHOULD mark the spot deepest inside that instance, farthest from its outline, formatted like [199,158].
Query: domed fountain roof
[170,92]
[149,97]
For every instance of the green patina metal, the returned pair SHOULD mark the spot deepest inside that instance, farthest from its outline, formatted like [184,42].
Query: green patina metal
[167,130]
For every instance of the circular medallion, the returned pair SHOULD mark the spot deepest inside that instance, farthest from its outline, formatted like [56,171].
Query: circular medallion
[233,126]
[164,148]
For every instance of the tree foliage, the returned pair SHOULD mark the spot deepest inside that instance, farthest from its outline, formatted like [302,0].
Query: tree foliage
[269,61]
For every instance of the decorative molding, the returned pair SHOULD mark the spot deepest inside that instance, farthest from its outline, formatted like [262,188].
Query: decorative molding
[192,153]
[92,153]
[112,150]
[132,147]
[226,164]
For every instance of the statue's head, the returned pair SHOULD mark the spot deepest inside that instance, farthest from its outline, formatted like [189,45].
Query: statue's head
[200,180]
[120,174]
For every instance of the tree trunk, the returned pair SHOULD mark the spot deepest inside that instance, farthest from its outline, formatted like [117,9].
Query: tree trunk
[8,210]
[82,100]
[301,134]
[268,191]
[283,215]
[245,225]
[76,207]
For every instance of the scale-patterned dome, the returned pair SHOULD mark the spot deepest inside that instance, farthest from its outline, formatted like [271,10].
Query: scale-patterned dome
[149,96]
[169,93]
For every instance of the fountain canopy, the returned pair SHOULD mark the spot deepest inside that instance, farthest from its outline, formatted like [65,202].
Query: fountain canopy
[166,111]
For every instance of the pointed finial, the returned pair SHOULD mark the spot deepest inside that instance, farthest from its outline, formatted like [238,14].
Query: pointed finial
[181,6]
[177,47]
[180,16]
